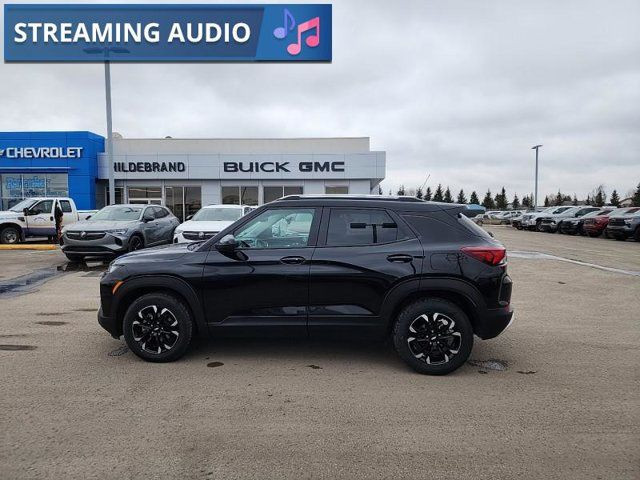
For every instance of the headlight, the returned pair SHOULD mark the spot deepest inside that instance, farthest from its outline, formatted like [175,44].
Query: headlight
[178,231]
[627,222]
[113,267]
[118,231]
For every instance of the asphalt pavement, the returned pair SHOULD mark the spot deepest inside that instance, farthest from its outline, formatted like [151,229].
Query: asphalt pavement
[555,396]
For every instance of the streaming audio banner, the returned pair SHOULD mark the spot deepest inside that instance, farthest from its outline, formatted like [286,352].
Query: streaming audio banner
[167,33]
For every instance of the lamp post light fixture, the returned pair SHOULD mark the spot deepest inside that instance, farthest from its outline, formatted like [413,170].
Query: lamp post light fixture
[107,85]
[535,198]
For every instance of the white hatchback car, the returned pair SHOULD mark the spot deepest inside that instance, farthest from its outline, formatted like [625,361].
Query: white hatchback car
[209,221]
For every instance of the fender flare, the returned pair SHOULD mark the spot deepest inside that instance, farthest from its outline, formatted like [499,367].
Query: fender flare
[161,282]
[419,287]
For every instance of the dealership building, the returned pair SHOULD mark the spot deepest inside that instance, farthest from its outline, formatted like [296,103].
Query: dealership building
[183,174]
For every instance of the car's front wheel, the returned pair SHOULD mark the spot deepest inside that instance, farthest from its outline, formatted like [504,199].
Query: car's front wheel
[433,336]
[9,235]
[158,327]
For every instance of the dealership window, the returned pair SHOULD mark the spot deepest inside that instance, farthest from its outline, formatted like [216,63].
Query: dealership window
[183,201]
[145,195]
[339,190]
[239,195]
[14,187]
[272,193]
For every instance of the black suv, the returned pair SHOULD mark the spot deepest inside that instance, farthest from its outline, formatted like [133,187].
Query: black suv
[312,266]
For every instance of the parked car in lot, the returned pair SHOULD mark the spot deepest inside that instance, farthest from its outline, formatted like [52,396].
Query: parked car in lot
[354,267]
[34,217]
[531,220]
[208,221]
[624,226]
[574,226]
[595,226]
[551,222]
[118,229]
[516,222]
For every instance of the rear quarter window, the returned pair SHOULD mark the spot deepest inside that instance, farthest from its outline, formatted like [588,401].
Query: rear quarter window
[433,230]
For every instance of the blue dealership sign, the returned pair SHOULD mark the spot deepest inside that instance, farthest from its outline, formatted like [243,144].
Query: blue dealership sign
[166,33]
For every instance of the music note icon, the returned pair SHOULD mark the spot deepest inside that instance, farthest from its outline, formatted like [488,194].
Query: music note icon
[311,41]
[281,32]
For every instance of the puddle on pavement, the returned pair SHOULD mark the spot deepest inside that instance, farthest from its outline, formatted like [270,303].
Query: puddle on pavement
[526,372]
[215,364]
[28,283]
[119,351]
[13,335]
[13,348]
[545,256]
[315,367]
[50,314]
[491,364]
[51,323]
[86,310]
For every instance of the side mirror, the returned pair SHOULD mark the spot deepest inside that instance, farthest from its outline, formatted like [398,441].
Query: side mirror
[490,234]
[26,212]
[227,244]
[189,217]
[147,218]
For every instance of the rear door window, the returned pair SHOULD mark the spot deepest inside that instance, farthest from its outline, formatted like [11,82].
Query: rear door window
[352,227]
[65,206]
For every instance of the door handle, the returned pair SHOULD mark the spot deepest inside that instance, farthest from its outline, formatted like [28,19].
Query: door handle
[400,258]
[292,260]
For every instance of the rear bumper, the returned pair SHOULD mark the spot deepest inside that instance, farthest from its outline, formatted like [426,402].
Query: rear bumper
[109,324]
[494,322]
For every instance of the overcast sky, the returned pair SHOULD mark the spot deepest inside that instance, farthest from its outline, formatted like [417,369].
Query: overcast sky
[458,90]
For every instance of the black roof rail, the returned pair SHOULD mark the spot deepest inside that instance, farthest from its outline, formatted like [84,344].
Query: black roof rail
[352,197]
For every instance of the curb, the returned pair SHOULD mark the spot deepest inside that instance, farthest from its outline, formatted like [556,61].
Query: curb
[22,246]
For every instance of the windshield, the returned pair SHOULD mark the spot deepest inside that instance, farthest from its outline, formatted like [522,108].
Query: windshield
[218,215]
[596,213]
[117,213]
[20,206]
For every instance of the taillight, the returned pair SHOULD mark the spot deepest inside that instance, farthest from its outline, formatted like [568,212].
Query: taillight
[490,255]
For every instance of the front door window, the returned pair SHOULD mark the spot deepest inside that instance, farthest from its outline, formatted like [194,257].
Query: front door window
[278,228]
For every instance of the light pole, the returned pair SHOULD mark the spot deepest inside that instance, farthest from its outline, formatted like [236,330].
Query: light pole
[535,198]
[107,85]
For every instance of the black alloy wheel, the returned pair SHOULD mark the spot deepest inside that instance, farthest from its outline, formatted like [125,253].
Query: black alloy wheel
[158,327]
[136,243]
[433,336]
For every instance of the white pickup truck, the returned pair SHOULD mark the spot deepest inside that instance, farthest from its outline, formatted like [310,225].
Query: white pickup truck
[33,217]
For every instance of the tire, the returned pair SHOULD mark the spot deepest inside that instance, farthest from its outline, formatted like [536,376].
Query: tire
[136,242]
[636,235]
[146,320]
[74,258]
[9,235]
[620,238]
[595,234]
[413,318]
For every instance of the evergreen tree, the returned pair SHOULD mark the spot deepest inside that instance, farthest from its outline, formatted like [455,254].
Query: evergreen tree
[526,203]
[419,192]
[488,202]
[401,191]
[427,195]
[474,200]
[546,201]
[447,196]
[588,200]
[615,199]
[379,190]
[636,197]
[516,202]
[601,196]
[461,197]
[575,200]
[501,200]
[438,196]
[559,199]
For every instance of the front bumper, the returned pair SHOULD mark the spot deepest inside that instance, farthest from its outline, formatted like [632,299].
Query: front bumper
[548,227]
[620,230]
[107,246]
[109,324]
[567,227]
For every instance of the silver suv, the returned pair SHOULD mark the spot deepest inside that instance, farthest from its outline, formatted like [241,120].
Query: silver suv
[118,229]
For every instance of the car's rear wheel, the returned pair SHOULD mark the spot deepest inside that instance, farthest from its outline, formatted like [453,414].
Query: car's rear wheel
[158,327]
[433,336]
[9,235]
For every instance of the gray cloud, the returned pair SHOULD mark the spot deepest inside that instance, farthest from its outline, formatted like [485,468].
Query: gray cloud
[459,90]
